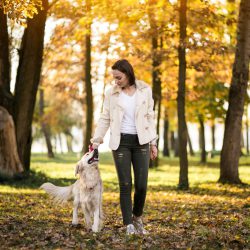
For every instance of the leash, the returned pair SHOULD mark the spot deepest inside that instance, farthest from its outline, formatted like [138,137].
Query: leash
[91,147]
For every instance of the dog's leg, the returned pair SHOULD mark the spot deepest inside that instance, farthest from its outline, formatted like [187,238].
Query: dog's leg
[76,204]
[95,227]
[100,219]
[100,226]
[87,216]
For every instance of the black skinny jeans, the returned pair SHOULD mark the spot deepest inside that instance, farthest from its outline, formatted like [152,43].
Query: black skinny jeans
[130,151]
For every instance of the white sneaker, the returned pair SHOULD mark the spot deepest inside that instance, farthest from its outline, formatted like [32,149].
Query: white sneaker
[137,222]
[131,229]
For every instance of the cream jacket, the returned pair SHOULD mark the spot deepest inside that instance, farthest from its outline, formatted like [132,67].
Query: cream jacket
[113,113]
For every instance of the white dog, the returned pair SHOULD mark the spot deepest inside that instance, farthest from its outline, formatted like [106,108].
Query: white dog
[87,192]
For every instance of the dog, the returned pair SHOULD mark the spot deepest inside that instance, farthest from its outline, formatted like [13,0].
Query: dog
[86,192]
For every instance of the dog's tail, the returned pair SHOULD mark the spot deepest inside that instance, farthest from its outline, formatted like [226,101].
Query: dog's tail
[59,194]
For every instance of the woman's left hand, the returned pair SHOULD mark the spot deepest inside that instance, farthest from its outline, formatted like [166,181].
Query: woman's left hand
[153,152]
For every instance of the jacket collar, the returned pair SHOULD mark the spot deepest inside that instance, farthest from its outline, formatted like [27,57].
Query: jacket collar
[139,85]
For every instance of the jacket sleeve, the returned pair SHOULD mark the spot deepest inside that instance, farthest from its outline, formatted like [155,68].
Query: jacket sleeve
[151,115]
[103,122]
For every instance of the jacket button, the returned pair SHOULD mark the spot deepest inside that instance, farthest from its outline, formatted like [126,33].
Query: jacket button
[145,115]
[146,128]
[144,102]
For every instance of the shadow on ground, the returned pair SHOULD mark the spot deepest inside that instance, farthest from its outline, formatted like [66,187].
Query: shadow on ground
[34,180]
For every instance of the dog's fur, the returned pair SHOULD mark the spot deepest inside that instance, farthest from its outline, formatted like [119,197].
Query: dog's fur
[86,192]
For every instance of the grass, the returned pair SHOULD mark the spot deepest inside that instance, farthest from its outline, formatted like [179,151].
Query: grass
[207,216]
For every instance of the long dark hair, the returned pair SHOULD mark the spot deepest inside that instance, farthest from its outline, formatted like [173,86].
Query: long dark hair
[125,67]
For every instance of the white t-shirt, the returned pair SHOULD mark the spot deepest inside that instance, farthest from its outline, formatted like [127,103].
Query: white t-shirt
[128,120]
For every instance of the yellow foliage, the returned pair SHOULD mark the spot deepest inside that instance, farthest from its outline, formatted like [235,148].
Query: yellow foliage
[19,10]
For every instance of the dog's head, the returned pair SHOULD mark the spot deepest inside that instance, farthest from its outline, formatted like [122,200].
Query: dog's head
[88,160]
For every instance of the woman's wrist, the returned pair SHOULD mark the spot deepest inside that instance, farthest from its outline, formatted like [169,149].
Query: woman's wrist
[95,145]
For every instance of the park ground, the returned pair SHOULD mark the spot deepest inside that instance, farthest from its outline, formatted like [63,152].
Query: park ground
[207,216]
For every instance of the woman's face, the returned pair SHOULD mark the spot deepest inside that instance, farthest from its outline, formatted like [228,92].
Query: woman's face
[120,78]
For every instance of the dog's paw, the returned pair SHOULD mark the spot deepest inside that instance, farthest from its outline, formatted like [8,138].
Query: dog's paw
[95,229]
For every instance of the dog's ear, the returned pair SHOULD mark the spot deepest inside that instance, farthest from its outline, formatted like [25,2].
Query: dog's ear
[77,169]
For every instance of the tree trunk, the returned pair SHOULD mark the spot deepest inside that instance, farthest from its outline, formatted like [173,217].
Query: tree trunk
[191,151]
[213,139]
[6,98]
[230,153]
[176,147]
[182,126]
[10,163]
[55,144]
[59,137]
[172,141]
[165,134]
[69,143]
[45,127]
[88,85]
[9,159]
[69,139]
[213,136]
[247,131]
[202,140]
[27,81]
[156,73]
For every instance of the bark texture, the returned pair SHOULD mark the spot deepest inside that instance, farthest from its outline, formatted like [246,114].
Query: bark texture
[6,97]
[191,151]
[165,134]
[202,140]
[156,42]
[88,84]
[44,125]
[27,81]
[213,136]
[231,149]
[10,163]
[182,126]
[247,132]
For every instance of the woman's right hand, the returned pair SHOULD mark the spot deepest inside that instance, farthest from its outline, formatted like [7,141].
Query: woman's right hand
[93,146]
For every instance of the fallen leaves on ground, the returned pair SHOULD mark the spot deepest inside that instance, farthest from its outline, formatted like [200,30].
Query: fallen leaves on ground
[218,218]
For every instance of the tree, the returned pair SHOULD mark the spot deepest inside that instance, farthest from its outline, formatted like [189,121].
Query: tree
[6,97]
[165,134]
[27,81]
[44,124]
[88,86]
[191,151]
[232,136]
[21,104]
[182,126]
[156,41]
[247,129]
[9,164]
[202,139]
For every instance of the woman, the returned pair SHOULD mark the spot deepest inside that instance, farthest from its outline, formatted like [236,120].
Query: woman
[128,111]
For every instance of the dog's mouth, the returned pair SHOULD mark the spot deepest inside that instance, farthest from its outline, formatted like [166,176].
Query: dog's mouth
[95,157]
